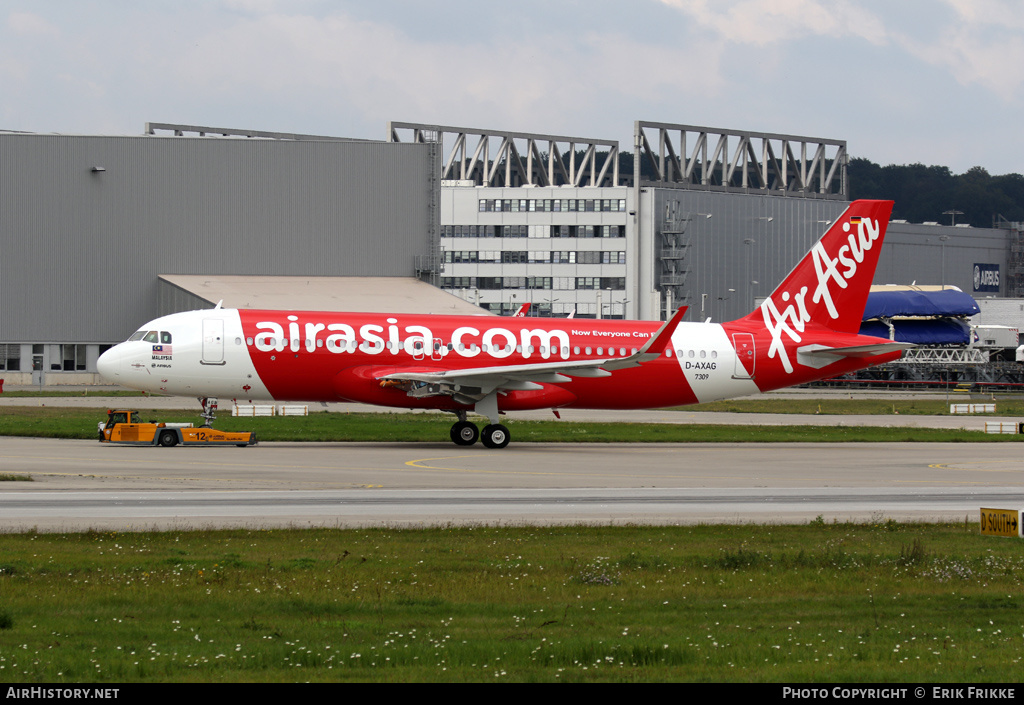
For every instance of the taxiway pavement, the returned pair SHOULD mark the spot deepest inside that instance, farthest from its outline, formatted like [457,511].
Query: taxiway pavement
[79,485]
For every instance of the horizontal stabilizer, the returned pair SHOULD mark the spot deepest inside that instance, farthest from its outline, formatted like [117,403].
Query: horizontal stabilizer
[817,356]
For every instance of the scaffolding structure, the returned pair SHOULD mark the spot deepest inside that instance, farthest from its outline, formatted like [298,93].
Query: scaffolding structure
[511,159]
[1015,257]
[673,255]
[964,367]
[694,157]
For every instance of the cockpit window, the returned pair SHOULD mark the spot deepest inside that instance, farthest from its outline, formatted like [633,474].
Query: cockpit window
[152,336]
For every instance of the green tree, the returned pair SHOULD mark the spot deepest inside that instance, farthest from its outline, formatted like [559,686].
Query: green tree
[922,193]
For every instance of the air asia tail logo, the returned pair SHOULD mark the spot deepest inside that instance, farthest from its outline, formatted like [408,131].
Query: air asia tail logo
[792,320]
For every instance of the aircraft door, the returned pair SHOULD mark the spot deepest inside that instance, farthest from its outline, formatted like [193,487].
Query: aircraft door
[745,357]
[213,341]
[437,352]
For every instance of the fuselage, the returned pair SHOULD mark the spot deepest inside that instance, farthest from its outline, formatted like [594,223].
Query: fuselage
[804,330]
[251,355]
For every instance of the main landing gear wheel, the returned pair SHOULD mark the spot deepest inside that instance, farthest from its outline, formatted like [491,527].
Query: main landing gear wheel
[495,436]
[464,433]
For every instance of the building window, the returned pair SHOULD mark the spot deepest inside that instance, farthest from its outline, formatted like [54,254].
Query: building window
[513,257]
[461,256]
[614,283]
[458,282]
[548,205]
[73,357]
[10,357]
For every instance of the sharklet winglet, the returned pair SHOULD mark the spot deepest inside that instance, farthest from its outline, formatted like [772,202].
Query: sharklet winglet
[663,336]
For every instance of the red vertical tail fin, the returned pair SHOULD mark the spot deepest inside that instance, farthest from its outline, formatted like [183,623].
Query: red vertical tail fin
[830,285]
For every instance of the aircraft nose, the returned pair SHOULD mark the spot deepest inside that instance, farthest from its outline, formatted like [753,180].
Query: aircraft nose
[109,364]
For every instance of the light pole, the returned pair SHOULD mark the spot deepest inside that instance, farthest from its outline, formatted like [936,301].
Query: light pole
[621,303]
[723,299]
[942,239]
[750,299]
[551,306]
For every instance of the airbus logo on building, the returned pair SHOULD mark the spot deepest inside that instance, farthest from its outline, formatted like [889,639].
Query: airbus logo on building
[986,277]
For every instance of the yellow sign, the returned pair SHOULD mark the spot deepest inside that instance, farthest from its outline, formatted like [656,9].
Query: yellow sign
[1001,522]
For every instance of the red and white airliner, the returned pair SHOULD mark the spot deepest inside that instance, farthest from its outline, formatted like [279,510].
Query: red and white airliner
[806,330]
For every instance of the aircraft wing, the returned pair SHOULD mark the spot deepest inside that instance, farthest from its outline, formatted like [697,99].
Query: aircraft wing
[467,385]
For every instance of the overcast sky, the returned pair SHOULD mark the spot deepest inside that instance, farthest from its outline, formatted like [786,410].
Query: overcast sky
[902,81]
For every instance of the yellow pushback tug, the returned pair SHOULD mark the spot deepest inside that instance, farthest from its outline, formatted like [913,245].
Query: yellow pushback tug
[123,427]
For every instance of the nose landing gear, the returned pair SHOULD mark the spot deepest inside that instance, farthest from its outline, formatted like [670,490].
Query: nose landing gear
[209,411]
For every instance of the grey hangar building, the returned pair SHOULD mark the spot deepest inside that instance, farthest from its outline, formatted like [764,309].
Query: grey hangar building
[101,234]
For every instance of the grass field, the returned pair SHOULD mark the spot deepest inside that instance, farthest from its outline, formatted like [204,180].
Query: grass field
[56,393]
[73,422]
[878,602]
[1006,405]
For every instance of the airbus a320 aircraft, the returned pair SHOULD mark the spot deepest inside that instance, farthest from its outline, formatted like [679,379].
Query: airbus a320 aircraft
[806,330]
